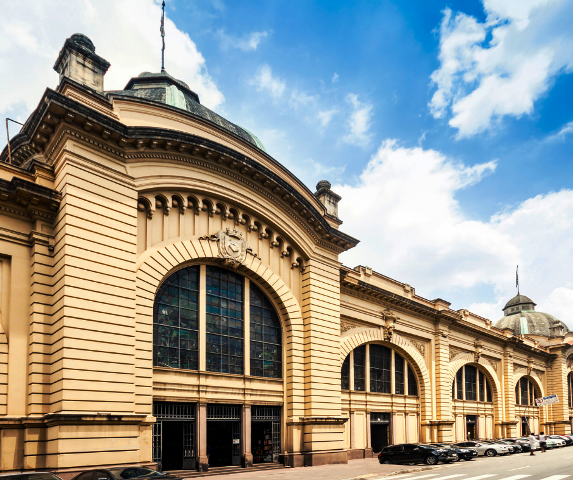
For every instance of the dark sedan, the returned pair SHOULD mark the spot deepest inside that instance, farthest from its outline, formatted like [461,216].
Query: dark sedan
[525,446]
[466,454]
[416,453]
[30,476]
[121,473]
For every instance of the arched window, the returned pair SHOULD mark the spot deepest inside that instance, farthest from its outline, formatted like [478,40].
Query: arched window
[266,350]
[470,383]
[570,388]
[176,312]
[379,362]
[525,392]
[176,321]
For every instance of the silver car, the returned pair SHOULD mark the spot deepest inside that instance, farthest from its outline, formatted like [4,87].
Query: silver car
[486,449]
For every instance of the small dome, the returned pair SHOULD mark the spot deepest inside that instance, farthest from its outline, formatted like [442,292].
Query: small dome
[323,185]
[82,41]
[519,300]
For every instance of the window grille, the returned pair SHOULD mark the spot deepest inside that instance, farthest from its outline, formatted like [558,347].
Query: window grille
[174,410]
[176,321]
[398,374]
[360,368]
[345,374]
[276,440]
[412,382]
[224,323]
[266,413]
[188,437]
[471,378]
[223,412]
[266,336]
[156,442]
[377,417]
[380,369]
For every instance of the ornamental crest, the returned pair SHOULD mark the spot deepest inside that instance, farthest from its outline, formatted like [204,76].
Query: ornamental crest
[232,247]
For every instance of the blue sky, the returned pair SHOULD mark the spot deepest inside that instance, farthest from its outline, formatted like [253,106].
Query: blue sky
[447,127]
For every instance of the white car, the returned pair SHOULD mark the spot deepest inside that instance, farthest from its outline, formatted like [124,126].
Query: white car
[558,440]
[486,449]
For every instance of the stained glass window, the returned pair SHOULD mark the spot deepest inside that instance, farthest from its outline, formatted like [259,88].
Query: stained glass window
[224,321]
[345,374]
[398,374]
[460,384]
[471,379]
[360,368]
[266,337]
[380,369]
[412,383]
[175,321]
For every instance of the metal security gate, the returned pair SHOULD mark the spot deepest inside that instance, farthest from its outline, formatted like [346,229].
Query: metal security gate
[224,423]
[173,442]
[266,434]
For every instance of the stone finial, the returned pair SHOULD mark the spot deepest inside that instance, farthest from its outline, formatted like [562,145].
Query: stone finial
[327,197]
[77,60]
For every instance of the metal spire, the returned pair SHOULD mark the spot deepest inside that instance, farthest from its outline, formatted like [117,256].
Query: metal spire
[517,279]
[162,30]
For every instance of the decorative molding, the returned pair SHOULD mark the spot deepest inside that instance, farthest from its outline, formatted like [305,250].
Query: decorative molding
[494,363]
[455,351]
[346,326]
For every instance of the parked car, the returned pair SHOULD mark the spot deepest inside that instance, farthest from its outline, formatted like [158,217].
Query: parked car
[525,447]
[550,442]
[487,449]
[121,473]
[463,453]
[416,453]
[514,448]
[30,476]
[565,438]
[557,439]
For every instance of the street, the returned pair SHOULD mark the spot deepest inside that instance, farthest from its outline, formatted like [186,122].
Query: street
[554,465]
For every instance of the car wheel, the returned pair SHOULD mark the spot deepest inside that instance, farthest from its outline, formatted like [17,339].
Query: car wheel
[458,459]
[490,452]
[431,460]
[468,459]
[385,461]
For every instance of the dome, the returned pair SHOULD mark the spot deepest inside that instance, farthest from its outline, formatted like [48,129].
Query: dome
[519,300]
[80,40]
[163,88]
[530,322]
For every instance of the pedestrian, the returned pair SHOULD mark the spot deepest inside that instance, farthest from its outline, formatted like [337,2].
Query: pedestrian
[532,442]
[542,441]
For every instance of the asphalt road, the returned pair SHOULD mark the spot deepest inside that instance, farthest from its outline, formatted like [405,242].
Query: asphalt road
[556,464]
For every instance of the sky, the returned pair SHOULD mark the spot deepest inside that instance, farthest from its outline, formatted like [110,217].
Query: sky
[446,126]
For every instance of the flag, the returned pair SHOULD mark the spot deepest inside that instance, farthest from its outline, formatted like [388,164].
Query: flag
[517,277]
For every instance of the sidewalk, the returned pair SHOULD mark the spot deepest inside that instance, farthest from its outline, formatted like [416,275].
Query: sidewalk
[367,469]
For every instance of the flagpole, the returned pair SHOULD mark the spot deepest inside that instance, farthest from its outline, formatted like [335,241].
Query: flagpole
[162,30]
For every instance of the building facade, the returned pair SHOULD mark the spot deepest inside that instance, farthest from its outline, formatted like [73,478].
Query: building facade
[170,294]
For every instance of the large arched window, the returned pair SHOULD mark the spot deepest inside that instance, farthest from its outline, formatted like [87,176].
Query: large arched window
[176,321]
[470,383]
[570,388]
[179,307]
[266,350]
[379,362]
[525,392]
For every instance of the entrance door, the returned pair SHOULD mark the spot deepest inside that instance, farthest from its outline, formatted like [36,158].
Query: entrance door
[379,431]
[525,429]
[471,427]
[220,443]
[172,433]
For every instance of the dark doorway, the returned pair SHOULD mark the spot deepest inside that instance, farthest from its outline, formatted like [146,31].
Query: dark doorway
[262,442]
[172,446]
[380,436]
[471,427]
[525,430]
[220,442]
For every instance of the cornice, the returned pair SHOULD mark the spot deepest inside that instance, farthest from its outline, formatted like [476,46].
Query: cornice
[131,143]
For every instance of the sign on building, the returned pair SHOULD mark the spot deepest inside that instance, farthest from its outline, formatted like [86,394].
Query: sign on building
[546,400]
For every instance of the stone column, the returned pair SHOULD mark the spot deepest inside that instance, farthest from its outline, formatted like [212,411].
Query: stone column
[352,428]
[443,386]
[509,424]
[557,385]
[201,436]
[246,454]
[368,449]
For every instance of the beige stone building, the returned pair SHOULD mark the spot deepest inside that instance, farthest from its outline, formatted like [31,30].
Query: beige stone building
[170,294]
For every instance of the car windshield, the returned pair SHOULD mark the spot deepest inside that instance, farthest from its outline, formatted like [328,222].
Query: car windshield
[134,472]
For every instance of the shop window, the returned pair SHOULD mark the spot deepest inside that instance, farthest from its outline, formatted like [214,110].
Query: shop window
[176,322]
[224,321]
[266,350]
[380,369]
[360,368]
[345,374]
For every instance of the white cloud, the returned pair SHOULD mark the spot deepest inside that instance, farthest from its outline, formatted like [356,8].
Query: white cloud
[125,32]
[404,211]
[246,43]
[359,122]
[325,116]
[264,80]
[562,134]
[335,77]
[502,66]
[300,99]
